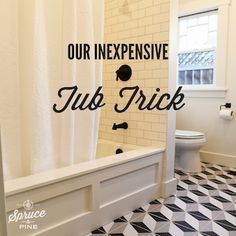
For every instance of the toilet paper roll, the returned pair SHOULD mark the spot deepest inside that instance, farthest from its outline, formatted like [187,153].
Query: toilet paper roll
[226,114]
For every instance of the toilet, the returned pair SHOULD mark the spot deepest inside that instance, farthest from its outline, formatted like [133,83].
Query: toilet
[187,147]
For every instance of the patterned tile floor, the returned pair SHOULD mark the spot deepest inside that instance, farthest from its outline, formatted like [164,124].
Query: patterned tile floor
[205,204]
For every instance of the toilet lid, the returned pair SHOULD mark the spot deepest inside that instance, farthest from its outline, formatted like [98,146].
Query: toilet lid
[185,134]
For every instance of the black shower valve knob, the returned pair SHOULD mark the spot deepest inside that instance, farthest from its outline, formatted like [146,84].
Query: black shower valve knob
[124,73]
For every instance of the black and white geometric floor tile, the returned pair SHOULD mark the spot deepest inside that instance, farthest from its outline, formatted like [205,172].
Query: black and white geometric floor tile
[204,204]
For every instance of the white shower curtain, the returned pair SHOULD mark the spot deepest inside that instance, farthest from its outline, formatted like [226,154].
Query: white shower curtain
[34,65]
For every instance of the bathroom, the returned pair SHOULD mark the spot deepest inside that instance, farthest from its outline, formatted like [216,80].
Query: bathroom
[62,170]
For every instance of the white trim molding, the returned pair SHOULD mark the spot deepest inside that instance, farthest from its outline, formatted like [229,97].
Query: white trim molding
[218,158]
[169,182]
[204,92]
[169,188]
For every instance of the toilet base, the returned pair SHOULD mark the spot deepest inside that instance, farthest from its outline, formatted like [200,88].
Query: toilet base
[188,161]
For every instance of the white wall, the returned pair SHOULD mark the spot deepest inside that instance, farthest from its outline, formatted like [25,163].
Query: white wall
[202,114]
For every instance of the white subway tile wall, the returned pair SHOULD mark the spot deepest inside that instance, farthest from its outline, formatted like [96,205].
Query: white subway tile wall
[135,21]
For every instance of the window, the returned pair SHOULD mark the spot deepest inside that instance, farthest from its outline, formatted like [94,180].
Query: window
[197,48]
[203,40]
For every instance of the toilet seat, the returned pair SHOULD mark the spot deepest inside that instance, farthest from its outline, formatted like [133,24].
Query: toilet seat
[185,134]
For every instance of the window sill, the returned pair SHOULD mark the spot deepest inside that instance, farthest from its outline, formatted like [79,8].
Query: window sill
[190,92]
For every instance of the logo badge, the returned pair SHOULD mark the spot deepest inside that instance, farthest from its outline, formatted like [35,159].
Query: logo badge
[25,216]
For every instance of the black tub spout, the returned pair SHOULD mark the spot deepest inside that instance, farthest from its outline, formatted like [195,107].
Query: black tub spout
[123,125]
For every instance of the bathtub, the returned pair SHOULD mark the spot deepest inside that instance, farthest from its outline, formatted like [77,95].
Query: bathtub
[75,200]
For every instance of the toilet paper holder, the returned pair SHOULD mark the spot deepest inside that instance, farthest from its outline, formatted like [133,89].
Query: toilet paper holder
[227,105]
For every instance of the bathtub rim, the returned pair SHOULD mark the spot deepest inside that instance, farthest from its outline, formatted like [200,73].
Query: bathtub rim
[38,180]
[130,146]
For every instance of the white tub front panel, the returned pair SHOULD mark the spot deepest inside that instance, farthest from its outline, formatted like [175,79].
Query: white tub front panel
[80,198]
[127,184]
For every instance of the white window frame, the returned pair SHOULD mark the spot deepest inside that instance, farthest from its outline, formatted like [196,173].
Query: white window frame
[218,89]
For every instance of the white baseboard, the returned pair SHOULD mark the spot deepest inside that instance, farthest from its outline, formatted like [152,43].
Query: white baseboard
[169,188]
[218,158]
